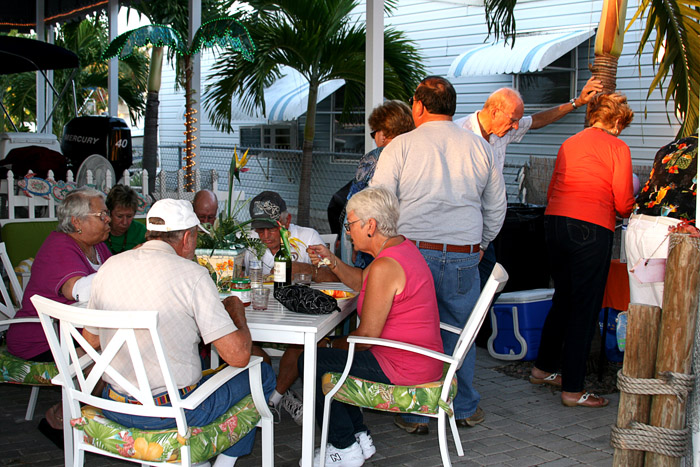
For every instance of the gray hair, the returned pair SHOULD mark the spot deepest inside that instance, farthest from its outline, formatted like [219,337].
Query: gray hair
[75,204]
[379,204]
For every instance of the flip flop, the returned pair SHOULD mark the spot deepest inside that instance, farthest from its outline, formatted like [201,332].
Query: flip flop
[554,379]
[588,399]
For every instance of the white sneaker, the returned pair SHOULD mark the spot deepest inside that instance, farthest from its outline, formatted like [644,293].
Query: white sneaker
[276,415]
[366,443]
[293,404]
[348,457]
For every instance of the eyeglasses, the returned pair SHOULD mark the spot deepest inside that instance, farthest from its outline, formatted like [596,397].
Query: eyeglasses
[513,121]
[348,224]
[373,133]
[410,101]
[103,215]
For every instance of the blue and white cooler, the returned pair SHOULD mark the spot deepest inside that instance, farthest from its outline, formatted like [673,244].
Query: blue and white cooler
[517,319]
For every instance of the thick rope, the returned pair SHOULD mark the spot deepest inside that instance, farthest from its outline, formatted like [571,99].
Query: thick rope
[641,437]
[675,384]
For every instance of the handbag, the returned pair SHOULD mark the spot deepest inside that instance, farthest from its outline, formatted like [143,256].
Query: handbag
[304,299]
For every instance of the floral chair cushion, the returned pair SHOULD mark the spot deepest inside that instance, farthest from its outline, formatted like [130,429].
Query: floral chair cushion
[164,445]
[421,398]
[16,370]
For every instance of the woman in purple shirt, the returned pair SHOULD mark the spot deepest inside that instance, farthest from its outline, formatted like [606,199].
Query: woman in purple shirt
[62,271]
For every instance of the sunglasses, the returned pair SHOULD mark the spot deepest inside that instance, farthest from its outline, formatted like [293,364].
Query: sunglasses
[410,101]
[373,133]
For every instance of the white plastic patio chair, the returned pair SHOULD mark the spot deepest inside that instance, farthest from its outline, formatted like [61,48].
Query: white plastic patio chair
[443,408]
[14,369]
[77,388]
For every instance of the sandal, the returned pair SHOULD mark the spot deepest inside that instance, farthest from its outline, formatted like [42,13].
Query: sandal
[554,379]
[588,399]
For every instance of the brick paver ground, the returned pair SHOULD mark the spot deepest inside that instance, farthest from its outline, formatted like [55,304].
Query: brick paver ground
[525,425]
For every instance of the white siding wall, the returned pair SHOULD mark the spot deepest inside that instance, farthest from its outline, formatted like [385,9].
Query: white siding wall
[443,30]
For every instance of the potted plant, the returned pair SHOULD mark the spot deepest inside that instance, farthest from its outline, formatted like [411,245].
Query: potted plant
[222,248]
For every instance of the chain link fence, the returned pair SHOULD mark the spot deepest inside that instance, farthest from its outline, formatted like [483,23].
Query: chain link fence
[269,169]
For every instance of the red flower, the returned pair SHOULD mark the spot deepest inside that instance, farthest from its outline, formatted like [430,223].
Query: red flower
[673,169]
[229,424]
[382,406]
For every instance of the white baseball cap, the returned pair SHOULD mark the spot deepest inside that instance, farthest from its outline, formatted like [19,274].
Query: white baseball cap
[177,214]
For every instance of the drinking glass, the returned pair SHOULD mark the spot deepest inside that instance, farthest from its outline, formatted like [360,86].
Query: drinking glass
[260,298]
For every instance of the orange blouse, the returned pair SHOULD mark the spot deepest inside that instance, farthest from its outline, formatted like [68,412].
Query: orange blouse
[592,179]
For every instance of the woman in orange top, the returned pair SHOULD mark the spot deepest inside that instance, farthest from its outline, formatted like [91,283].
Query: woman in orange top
[591,184]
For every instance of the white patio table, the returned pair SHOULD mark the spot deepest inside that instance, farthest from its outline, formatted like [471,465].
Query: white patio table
[278,324]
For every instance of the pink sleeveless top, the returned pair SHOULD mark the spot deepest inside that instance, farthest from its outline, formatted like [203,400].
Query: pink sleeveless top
[413,319]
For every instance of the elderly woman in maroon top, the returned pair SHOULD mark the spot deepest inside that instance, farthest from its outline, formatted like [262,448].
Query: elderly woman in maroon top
[62,271]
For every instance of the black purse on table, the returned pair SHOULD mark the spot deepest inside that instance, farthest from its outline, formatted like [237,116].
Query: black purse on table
[304,299]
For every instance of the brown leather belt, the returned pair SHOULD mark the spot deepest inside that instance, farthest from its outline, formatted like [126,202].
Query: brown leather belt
[448,248]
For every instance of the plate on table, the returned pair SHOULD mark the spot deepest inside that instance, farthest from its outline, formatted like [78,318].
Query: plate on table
[338,294]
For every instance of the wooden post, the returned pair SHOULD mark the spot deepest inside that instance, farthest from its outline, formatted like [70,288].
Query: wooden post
[674,353]
[643,322]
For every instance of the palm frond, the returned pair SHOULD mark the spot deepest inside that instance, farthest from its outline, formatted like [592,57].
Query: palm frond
[500,19]
[158,35]
[226,33]
[677,51]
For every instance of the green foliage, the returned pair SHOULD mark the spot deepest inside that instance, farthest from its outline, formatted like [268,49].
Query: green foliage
[677,51]
[320,40]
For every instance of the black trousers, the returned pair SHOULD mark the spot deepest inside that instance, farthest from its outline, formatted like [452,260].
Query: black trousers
[579,256]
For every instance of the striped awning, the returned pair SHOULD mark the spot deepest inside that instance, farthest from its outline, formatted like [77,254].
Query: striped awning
[287,98]
[532,52]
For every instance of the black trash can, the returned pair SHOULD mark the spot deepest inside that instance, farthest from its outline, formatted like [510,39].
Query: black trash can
[521,248]
[522,251]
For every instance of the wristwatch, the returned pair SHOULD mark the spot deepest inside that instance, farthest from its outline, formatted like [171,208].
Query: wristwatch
[573,103]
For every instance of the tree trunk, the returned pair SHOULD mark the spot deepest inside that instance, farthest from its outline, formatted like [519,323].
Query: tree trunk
[190,121]
[304,212]
[605,69]
[640,359]
[150,130]
[680,304]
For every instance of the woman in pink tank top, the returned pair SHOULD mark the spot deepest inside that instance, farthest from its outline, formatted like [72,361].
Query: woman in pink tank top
[397,301]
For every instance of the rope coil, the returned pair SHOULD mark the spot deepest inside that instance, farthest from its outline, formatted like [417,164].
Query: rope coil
[670,383]
[642,437]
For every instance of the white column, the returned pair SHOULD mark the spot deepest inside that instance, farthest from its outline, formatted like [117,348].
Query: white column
[113,73]
[374,66]
[40,81]
[195,23]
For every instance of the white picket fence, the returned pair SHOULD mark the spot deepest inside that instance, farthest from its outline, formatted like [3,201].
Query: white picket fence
[36,198]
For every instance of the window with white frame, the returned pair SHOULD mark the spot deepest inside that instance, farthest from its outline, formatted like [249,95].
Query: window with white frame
[555,84]
[269,136]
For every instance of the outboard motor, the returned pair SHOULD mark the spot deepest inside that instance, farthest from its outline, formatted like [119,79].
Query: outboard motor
[107,136]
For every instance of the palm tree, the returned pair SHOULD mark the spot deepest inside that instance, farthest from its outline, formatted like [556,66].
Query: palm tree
[676,53]
[320,40]
[175,14]
[87,39]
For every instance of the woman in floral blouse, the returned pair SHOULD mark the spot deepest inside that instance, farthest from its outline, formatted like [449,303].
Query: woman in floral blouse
[667,199]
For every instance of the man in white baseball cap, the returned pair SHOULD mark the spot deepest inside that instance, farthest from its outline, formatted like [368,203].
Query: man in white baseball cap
[161,276]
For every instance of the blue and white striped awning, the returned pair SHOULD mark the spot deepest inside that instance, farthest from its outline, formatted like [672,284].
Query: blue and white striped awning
[532,52]
[287,98]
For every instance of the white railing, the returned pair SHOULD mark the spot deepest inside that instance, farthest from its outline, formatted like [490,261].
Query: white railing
[38,197]
[32,197]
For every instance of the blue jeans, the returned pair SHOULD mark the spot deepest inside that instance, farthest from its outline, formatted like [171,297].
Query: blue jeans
[457,286]
[579,256]
[213,407]
[345,420]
